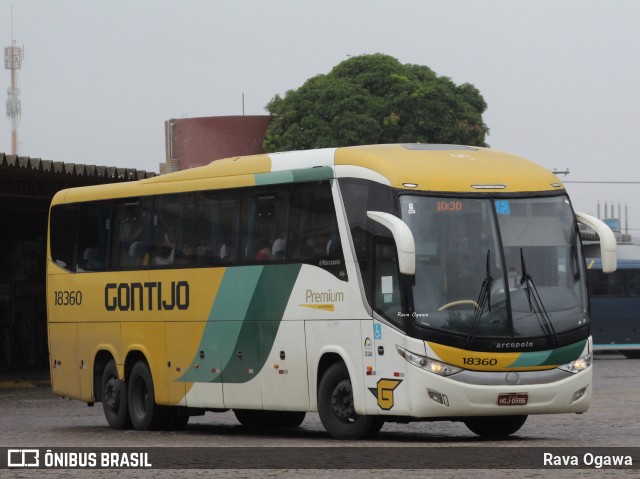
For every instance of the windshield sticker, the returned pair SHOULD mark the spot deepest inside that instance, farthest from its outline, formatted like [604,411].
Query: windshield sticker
[387,288]
[411,210]
[387,284]
[513,278]
[502,207]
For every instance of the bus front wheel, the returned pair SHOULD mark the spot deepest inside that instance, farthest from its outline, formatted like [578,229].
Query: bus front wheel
[495,426]
[336,407]
[145,413]
[114,398]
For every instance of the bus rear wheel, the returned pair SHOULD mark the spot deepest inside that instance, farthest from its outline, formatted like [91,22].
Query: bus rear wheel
[336,407]
[495,426]
[145,413]
[114,398]
[269,419]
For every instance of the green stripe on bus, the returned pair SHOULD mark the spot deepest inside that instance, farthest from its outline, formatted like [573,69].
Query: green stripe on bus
[229,305]
[550,357]
[313,174]
[262,322]
[566,354]
[273,178]
[270,297]
[225,323]
[289,176]
[531,359]
[243,323]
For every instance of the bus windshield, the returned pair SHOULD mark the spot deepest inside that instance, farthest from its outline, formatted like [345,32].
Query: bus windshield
[496,268]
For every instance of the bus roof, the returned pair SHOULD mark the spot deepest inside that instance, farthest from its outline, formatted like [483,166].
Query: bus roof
[450,168]
[421,167]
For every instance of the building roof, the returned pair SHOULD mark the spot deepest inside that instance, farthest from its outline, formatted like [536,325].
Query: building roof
[49,167]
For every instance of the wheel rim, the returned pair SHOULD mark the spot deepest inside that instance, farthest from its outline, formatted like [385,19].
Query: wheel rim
[342,401]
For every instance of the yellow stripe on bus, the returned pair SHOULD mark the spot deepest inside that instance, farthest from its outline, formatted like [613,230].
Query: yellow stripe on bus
[475,360]
[323,307]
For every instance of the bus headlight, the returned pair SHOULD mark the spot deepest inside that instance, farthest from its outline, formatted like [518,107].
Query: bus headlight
[578,365]
[435,367]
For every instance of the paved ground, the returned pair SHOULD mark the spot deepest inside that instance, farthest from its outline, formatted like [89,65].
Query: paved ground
[30,416]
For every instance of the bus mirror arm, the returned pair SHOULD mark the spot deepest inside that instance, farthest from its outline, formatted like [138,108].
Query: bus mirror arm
[608,244]
[402,235]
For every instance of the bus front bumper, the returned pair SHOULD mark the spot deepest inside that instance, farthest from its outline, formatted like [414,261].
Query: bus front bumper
[430,395]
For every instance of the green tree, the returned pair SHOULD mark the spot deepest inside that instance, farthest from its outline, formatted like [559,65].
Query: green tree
[373,99]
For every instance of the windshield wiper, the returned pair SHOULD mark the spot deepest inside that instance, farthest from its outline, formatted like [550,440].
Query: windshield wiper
[535,302]
[484,300]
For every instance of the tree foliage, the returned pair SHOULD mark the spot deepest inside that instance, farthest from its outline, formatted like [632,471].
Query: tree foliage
[372,99]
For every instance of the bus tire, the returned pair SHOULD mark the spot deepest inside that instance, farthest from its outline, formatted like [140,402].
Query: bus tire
[114,398]
[269,419]
[144,412]
[495,426]
[336,407]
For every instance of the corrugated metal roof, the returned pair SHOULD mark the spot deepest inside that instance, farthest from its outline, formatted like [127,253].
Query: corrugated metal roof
[72,169]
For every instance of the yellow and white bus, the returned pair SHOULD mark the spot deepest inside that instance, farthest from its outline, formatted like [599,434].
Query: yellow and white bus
[370,284]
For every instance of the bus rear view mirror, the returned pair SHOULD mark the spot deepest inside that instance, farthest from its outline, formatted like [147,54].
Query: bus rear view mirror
[608,244]
[403,237]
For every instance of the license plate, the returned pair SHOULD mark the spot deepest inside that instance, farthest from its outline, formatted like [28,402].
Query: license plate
[513,399]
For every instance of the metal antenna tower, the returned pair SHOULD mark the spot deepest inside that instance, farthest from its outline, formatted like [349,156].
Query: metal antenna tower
[13,56]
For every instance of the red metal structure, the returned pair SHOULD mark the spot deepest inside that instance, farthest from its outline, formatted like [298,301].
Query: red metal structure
[198,141]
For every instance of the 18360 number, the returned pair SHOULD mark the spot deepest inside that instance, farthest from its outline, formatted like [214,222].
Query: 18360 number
[67,298]
[480,361]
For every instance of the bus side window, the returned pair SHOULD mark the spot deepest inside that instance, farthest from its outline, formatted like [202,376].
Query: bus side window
[93,235]
[131,233]
[616,283]
[64,228]
[266,215]
[199,233]
[634,282]
[225,228]
[601,284]
[168,217]
[314,230]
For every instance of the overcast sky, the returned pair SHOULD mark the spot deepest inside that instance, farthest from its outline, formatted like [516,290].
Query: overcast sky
[99,78]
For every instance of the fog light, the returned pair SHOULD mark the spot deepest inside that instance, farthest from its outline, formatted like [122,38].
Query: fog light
[438,397]
[578,394]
